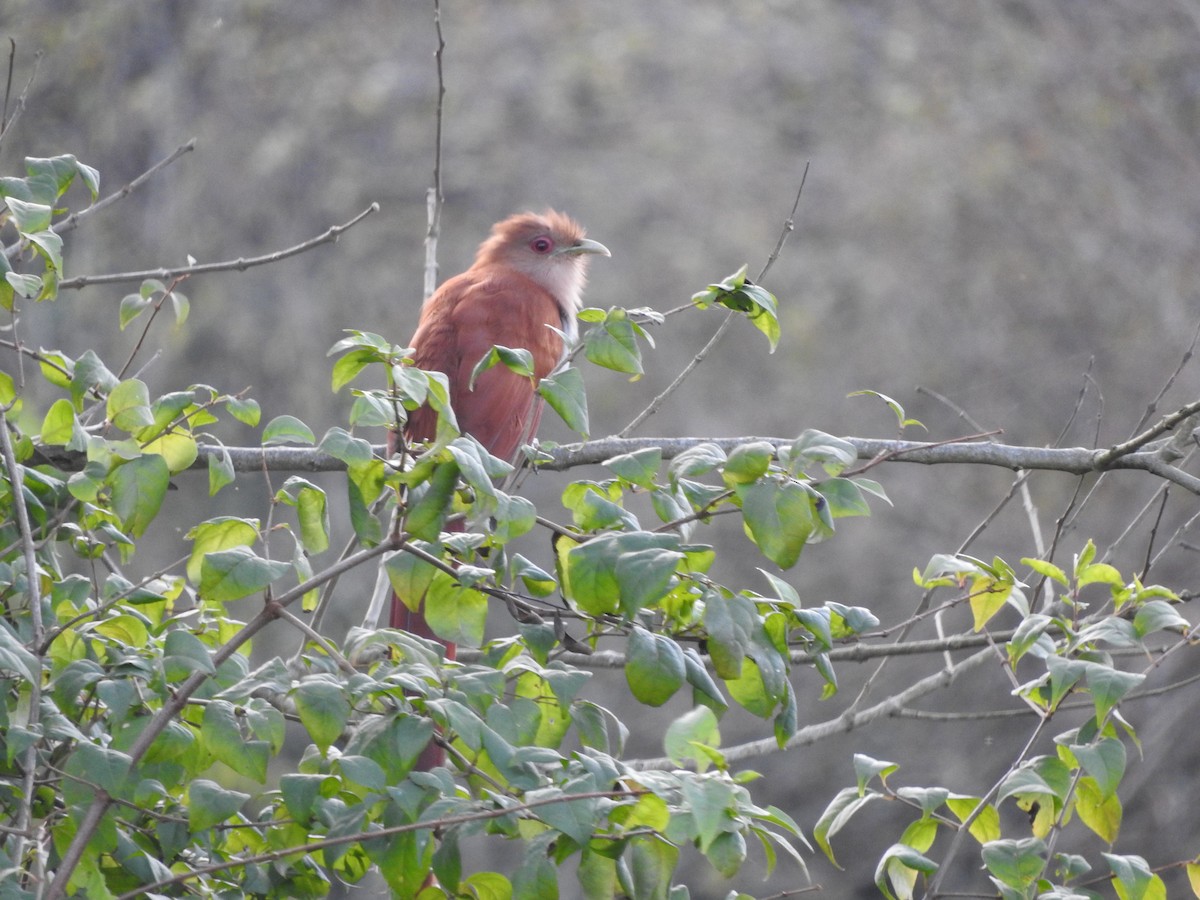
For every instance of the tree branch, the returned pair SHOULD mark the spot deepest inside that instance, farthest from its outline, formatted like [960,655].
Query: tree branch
[1069,460]
[846,722]
[240,264]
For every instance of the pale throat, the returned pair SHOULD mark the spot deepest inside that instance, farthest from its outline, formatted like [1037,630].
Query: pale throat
[564,279]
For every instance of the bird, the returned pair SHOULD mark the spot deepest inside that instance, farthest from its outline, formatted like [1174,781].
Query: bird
[523,291]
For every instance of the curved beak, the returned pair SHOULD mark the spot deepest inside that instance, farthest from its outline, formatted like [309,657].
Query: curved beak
[583,245]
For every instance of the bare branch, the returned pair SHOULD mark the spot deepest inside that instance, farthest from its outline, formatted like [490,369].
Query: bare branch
[434,197]
[240,265]
[7,121]
[72,221]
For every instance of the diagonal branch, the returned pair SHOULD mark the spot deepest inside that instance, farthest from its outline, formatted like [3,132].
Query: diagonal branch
[240,264]
[846,722]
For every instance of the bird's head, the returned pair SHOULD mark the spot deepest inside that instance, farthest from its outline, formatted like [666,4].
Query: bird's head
[548,247]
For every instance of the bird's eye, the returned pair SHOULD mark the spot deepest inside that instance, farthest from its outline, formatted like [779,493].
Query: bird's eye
[541,245]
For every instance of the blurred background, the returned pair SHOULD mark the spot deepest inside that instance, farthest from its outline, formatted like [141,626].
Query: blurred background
[1000,209]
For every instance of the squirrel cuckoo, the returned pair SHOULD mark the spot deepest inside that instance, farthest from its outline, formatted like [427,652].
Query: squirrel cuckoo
[521,292]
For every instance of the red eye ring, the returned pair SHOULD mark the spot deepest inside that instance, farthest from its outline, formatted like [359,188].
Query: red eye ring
[541,244]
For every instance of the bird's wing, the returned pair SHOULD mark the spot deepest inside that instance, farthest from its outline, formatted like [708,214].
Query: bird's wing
[469,315]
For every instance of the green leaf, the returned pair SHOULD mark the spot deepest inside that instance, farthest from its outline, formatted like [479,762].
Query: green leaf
[138,489]
[221,735]
[456,614]
[645,576]
[513,517]
[712,804]
[704,688]
[900,865]
[183,654]
[220,533]
[698,460]
[311,510]
[61,427]
[1158,615]
[1134,879]
[695,729]
[654,667]
[1109,685]
[652,862]
[49,246]
[537,581]
[220,470]
[779,518]
[638,467]
[1016,863]
[246,411]
[738,293]
[844,498]
[232,574]
[837,814]
[106,768]
[594,576]
[300,793]
[430,503]
[577,819]
[178,449]
[565,393]
[1099,811]
[731,624]
[748,462]
[518,361]
[30,217]
[1046,569]
[131,307]
[814,447]
[901,419]
[612,343]
[1104,761]
[348,366]
[129,406]
[866,768]
[210,804]
[285,430]
[324,710]
[727,853]
[340,444]
[986,826]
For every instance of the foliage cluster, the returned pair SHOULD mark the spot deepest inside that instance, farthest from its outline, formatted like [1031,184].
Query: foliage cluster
[143,742]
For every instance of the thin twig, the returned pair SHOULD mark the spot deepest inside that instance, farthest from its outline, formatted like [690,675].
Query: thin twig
[72,221]
[846,722]
[240,265]
[434,197]
[34,599]
[984,802]
[146,327]
[1162,426]
[429,825]
[8,121]
[788,227]
[294,620]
